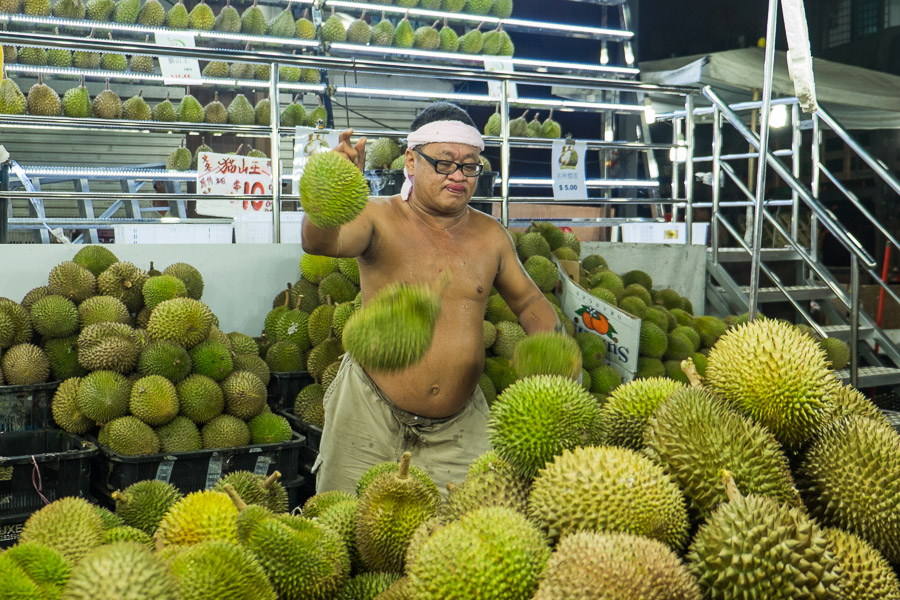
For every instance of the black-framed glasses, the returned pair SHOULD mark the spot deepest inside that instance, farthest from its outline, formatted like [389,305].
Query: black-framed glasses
[448,167]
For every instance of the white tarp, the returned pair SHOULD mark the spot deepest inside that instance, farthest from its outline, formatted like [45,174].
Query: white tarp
[858,98]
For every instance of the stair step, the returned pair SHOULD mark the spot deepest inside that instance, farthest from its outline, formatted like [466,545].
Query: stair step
[797,292]
[872,376]
[842,332]
[738,255]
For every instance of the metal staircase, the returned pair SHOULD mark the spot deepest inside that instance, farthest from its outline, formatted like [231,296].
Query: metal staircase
[792,275]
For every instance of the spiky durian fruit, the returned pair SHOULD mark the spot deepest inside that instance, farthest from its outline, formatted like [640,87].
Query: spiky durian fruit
[70,526]
[257,489]
[198,517]
[389,511]
[124,569]
[193,280]
[694,435]
[25,364]
[615,565]
[103,396]
[72,281]
[850,478]
[498,485]
[220,569]
[41,566]
[547,353]
[537,418]
[183,321]
[395,327]
[865,574]
[65,408]
[626,412]
[303,558]
[108,346]
[103,309]
[143,504]
[776,375]
[454,557]
[333,190]
[752,547]
[617,490]
[124,281]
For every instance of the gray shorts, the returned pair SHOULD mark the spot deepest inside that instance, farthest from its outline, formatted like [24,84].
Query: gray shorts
[363,428]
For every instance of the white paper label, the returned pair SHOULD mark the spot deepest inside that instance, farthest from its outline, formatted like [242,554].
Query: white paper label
[497,64]
[176,70]
[229,174]
[568,170]
[309,141]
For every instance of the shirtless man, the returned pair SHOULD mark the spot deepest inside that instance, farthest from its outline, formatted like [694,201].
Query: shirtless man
[434,409]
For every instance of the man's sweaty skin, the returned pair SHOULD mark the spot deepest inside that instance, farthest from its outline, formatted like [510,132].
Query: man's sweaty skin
[415,241]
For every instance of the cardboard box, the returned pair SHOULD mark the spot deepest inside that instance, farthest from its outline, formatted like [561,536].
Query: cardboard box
[620,330]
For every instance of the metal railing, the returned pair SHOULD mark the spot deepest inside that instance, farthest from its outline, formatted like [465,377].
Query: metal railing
[802,195]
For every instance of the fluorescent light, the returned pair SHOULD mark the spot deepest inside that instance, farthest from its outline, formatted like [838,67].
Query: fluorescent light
[569,28]
[413,12]
[598,183]
[32,171]
[563,104]
[778,117]
[265,40]
[411,94]
[542,65]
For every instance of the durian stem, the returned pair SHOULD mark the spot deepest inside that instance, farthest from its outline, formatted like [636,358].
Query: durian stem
[275,476]
[299,301]
[119,496]
[403,472]
[158,543]
[287,296]
[690,370]
[238,501]
[450,487]
[731,489]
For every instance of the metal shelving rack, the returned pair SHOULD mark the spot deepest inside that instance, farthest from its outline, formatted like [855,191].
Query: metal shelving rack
[613,82]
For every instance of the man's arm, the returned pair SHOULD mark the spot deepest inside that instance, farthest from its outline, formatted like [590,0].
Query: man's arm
[535,312]
[350,239]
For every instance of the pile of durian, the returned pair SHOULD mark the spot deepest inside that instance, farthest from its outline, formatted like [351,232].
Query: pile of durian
[766,479]
[139,356]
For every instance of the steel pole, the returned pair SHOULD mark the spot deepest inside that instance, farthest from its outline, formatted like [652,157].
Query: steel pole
[504,153]
[854,321]
[275,152]
[796,141]
[689,169]
[717,190]
[814,184]
[771,28]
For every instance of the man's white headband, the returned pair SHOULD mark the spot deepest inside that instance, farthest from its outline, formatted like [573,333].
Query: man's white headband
[447,132]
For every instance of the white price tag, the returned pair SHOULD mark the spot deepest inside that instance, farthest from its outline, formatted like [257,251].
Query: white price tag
[567,162]
[175,70]
[309,141]
[499,64]
[229,174]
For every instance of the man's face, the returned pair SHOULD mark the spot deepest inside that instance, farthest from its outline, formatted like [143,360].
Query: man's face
[443,193]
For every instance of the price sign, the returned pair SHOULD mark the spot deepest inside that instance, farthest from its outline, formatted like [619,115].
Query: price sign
[175,70]
[499,64]
[568,170]
[229,174]
[309,141]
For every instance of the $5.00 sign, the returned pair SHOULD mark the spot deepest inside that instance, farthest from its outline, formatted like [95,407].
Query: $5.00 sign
[228,174]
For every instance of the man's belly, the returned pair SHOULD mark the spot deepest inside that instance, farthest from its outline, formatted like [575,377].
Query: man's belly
[439,385]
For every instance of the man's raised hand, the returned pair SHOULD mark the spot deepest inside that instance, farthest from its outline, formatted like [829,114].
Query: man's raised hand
[355,154]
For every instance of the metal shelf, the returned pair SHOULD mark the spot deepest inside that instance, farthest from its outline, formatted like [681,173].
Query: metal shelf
[266,56]
[352,50]
[143,78]
[509,24]
[122,125]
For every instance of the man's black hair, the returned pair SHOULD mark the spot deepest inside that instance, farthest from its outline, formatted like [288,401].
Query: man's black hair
[441,111]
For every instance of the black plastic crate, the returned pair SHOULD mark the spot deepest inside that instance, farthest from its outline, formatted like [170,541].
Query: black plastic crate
[284,387]
[192,471]
[46,463]
[11,528]
[26,407]
[312,433]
